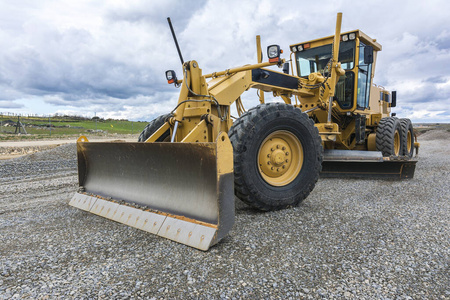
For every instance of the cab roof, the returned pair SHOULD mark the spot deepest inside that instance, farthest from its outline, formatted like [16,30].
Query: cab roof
[329,39]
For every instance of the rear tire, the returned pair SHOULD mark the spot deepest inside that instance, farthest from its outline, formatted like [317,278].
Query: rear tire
[277,156]
[389,139]
[152,127]
[408,136]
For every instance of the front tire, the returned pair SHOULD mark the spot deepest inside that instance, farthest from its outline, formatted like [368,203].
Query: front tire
[152,127]
[277,156]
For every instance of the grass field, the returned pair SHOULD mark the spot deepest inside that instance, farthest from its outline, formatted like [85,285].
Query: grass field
[59,126]
[62,126]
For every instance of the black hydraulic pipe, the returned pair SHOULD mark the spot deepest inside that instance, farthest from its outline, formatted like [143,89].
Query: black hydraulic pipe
[175,40]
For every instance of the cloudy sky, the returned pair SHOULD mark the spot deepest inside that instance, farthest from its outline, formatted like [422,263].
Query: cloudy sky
[109,57]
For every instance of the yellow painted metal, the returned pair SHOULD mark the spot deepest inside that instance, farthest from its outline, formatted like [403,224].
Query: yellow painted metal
[416,146]
[195,111]
[328,128]
[259,53]
[184,92]
[82,139]
[336,66]
[286,99]
[280,158]
[372,142]
[374,119]
[328,40]
[198,134]
[337,36]
[229,88]
[243,68]
[158,133]
[224,154]
[258,49]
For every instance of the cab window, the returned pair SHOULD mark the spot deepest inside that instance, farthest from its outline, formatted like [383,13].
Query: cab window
[316,59]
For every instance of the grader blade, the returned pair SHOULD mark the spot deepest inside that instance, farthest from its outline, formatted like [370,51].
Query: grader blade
[180,191]
[365,164]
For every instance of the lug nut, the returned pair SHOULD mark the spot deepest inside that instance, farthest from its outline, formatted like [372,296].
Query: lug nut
[284,148]
[287,153]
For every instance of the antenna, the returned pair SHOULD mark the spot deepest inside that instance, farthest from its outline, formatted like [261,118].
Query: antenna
[175,40]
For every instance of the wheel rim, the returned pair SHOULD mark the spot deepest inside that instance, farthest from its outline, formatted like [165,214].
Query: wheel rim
[280,158]
[408,140]
[396,142]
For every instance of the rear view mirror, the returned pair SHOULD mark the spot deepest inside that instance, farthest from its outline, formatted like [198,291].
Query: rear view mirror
[394,99]
[286,68]
[368,55]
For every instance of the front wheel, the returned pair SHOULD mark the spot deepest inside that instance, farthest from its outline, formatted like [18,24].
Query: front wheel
[277,156]
[152,127]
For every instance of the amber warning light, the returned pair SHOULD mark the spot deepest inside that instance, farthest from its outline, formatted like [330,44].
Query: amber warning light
[171,76]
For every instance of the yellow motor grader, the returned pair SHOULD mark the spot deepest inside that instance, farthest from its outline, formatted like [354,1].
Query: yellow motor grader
[180,179]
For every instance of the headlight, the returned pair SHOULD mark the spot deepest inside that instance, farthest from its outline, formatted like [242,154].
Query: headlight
[294,49]
[300,48]
[352,36]
[273,52]
[345,38]
[171,76]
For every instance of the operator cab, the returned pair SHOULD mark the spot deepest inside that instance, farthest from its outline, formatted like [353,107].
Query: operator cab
[357,53]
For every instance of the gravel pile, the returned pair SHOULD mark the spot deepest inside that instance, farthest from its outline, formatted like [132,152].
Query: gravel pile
[354,239]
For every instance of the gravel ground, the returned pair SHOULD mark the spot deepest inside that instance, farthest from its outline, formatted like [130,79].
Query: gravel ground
[358,239]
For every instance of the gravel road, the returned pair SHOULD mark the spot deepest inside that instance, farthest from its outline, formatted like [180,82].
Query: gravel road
[353,239]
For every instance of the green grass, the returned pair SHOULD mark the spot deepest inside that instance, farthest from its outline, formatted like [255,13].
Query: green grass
[37,127]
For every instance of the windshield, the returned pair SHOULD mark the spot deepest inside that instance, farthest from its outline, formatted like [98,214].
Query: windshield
[316,59]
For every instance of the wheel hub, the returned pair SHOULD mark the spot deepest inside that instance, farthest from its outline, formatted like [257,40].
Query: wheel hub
[280,158]
[277,158]
[276,150]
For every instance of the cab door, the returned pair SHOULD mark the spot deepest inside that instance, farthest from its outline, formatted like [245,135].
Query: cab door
[365,62]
